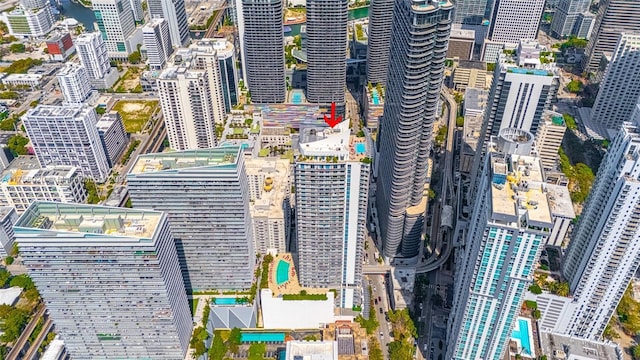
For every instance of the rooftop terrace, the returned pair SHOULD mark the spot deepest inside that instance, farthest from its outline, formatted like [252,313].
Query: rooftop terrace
[25,170]
[176,160]
[80,218]
[517,191]
[322,143]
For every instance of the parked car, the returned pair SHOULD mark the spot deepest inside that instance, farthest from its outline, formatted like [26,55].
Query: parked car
[380,310]
[375,301]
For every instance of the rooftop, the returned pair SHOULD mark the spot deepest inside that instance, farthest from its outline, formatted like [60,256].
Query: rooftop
[312,350]
[10,296]
[176,160]
[69,68]
[517,191]
[566,347]
[320,143]
[276,186]
[34,175]
[107,120]
[430,5]
[67,111]
[183,60]
[81,218]
[560,201]
[5,210]
[553,118]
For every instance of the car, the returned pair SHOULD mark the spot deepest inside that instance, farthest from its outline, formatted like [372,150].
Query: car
[375,301]
[381,334]
[380,310]
[379,298]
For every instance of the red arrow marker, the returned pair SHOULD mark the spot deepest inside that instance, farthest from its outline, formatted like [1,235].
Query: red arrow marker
[333,121]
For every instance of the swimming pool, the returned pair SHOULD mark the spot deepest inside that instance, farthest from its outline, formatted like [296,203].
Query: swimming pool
[225,301]
[360,148]
[375,97]
[522,334]
[296,98]
[282,272]
[262,337]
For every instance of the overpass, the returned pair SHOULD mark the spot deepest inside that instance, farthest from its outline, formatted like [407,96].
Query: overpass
[376,269]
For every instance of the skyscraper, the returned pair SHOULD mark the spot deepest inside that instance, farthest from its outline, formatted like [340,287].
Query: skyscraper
[226,53]
[74,254]
[470,12]
[326,50]
[380,23]
[92,52]
[190,92]
[8,217]
[173,11]
[74,83]
[67,135]
[566,15]
[206,196]
[155,37]
[264,50]
[509,224]
[604,251]
[136,7]
[30,18]
[614,17]
[116,24]
[620,88]
[512,21]
[419,45]
[332,182]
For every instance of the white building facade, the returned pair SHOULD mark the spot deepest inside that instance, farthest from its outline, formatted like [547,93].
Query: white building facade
[116,24]
[74,83]
[67,135]
[92,51]
[156,39]
[74,254]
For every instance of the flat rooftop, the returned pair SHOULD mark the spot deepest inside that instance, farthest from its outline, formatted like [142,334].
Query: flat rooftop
[312,350]
[176,160]
[318,143]
[559,347]
[5,210]
[30,173]
[276,186]
[560,201]
[67,111]
[81,218]
[517,190]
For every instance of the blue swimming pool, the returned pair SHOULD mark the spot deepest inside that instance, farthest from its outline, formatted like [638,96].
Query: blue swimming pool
[521,333]
[375,97]
[225,301]
[360,148]
[296,98]
[262,337]
[282,272]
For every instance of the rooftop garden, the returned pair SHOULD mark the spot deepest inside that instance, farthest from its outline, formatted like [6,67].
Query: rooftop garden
[303,295]
[360,34]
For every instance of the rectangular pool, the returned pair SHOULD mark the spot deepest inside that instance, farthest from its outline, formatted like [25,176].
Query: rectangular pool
[523,336]
[262,337]
[225,301]
[360,148]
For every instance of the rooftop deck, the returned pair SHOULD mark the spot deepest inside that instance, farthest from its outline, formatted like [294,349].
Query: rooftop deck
[150,163]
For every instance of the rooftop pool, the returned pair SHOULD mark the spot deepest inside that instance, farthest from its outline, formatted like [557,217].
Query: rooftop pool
[282,272]
[522,335]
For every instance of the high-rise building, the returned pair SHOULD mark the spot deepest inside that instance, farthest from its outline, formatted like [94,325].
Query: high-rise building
[549,137]
[332,182]
[419,45]
[174,12]
[75,255]
[604,251]
[226,53]
[138,12]
[30,18]
[92,51]
[206,196]
[614,17]
[263,50]
[380,23]
[155,37]
[25,183]
[269,192]
[326,50]
[509,224]
[620,88]
[191,97]
[116,24]
[522,89]
[470,12]
[512,21]
[67,135]
[113,136]
[566,16]
[74,83]
[8,217]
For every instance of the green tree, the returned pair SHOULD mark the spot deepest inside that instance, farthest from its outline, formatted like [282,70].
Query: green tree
[234,340]
[5,275]
[32,294]
[401,350]
[9,95]
[14,323]
[100,110]
[205,313]
[535,288]
[17,48]
[536,314]
[460,121]
[22,66]
[17,143]
[218,349]
[574,86]
[92,191]
[375,353]
[570,122]
[135,57]
[256,351]
[23,281]
[635,351]
[8,260]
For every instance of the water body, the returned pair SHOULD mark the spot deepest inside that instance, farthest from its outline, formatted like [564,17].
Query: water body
[82,14]
[355,14]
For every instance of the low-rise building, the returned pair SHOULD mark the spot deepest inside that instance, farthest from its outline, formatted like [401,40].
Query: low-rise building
[316,350]
[373,100]
[113,136]
[25,182]
[561,347]
[26,22]
[475,102]
[30,80]
[549,138]
[60,46]
[470,74]
[562,213]
[269,191]
[461,43]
